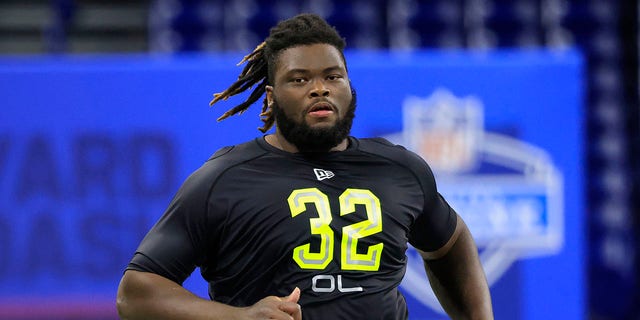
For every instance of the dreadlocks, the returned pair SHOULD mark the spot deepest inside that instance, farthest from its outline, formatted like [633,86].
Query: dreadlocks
[303,29]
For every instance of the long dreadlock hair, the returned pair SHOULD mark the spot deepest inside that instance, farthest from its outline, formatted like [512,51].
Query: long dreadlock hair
[303,29]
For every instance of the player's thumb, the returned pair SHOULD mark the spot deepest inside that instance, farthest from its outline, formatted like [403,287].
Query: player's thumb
[294,296]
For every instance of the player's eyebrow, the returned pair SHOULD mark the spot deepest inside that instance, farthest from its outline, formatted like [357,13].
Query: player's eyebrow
[333,69]
[306,71]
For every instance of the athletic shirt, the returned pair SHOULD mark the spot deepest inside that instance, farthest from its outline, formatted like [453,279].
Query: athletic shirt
[260,221]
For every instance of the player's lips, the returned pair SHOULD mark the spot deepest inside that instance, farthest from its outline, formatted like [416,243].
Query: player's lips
[321,109]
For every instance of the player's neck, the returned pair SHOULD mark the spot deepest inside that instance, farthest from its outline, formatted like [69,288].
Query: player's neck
[279,141]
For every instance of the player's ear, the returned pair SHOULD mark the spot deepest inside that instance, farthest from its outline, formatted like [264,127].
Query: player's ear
[269,90]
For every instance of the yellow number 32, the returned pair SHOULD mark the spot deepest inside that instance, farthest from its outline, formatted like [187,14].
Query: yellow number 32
[350,258]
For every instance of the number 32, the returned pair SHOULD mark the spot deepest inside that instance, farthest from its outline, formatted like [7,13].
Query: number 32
[350,258]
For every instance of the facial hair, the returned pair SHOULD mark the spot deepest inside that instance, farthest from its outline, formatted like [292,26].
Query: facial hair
[308,139]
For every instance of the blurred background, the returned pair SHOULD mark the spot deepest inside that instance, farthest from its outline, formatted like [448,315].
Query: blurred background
[605,32]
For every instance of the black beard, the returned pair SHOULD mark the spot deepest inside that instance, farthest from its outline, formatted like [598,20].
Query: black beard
[308,139]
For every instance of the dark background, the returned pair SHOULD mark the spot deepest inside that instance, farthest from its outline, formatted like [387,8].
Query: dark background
[605,31]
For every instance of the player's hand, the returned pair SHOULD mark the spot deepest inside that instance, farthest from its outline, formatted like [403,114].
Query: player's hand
[280,308]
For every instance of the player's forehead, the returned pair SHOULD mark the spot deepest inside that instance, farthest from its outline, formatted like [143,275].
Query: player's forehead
[313,57]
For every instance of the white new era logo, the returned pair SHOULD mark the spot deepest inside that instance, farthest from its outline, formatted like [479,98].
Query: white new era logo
[323,174]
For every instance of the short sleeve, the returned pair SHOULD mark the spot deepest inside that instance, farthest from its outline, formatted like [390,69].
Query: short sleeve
[174,246]
[437,221]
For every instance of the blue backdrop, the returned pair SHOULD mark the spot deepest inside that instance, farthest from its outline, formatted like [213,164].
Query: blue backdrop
[92,149]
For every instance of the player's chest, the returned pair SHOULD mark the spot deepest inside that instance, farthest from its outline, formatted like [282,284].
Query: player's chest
[325,201]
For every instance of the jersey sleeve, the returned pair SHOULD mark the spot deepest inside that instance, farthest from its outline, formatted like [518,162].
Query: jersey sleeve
[185,235]
[437,221]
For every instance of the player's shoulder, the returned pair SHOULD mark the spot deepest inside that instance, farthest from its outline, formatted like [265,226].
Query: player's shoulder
[384,148]
[379,145]
[224,159]
[234,154]
[399,155]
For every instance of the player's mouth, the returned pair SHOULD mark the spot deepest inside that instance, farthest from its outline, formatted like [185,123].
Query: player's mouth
[321,110]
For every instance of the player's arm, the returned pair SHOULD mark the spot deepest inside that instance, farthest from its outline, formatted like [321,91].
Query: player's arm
[457,277]
[146,295]
[170,252]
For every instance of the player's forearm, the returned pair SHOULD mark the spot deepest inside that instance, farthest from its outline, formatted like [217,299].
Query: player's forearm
[459,281]
[144,295]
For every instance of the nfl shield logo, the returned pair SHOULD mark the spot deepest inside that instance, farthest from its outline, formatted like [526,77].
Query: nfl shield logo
[514,209]
[445,130]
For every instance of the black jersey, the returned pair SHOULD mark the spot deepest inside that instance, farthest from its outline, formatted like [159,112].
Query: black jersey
[259,221]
